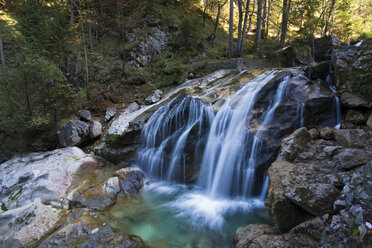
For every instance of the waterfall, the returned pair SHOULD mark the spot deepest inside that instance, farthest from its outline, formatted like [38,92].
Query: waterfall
[227,169]
[166,133]
[184,141]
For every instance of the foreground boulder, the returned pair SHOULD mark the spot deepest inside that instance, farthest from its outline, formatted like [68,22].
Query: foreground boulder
[33,193]
[87,231]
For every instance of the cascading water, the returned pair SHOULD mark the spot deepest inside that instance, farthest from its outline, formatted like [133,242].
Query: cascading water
[219,159]
[167,132]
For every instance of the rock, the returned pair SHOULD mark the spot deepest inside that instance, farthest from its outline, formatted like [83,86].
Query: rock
[369,121]
[353,74]
[27,225]
[284,212]
[87,231]
[73,133]
[331,150]
[351,158]
[316,198]
[154,44]
[314,134]
[355,117]
[245,235]
[323,47]
[95,129]
[351,137]
[307,234]
[326,133]
[132,108]
[131,179]
[110,113]
[85,115]
[294,143]
[33,189]
[155,97]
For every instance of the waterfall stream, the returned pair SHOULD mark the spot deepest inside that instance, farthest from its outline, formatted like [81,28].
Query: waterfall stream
[207,168]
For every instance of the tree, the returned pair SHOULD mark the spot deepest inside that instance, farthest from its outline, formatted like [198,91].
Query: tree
[258,27]
[286,7]
[231,30]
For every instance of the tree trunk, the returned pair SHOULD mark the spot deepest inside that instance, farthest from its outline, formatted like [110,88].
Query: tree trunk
[240,7]
[286,6]
[205,11]
[331,11]
[267,18]
[213,35]
[257,39]
[231,35]
[264,20]
[244,27]
[72,12]
[90,36]
[2,51]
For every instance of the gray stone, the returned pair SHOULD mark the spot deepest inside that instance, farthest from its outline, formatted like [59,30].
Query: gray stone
[331,150]
[132,108]
[88,231]
[307,234]
[350,137]
[73,133]
[85,115]
[316,198]
[369,121]
[245,235]
[34,189]
[326,133]
[314,133]
[294,143]
[110,113]
[349,158]
[355,117]
[155,97]
[95,129]
[131,179]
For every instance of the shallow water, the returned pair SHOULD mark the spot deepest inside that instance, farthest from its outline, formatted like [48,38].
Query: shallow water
[174,215]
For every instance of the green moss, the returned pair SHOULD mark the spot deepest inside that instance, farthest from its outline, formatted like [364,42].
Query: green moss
[3,207]
[12,198]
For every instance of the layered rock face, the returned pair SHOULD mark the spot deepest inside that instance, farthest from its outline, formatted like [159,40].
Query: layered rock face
[353,74]
[319,192]
[38,191]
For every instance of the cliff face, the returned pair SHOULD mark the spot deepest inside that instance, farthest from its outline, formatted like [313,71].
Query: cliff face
[319,191]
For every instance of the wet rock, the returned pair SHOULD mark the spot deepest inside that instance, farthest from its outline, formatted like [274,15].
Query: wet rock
[326,133]
[73,133]
[355,117]
[294,143]
[316,198]
[331,150]
[131,179]
[155,97]
[85,115]
[110,113]
[307,234]
[351,137]
[95,129]
[87,231]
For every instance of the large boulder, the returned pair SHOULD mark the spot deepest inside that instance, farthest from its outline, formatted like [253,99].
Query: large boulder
[33,193]
[295,142]
[73,133]
[87,231]
[95,129]
[353,74]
